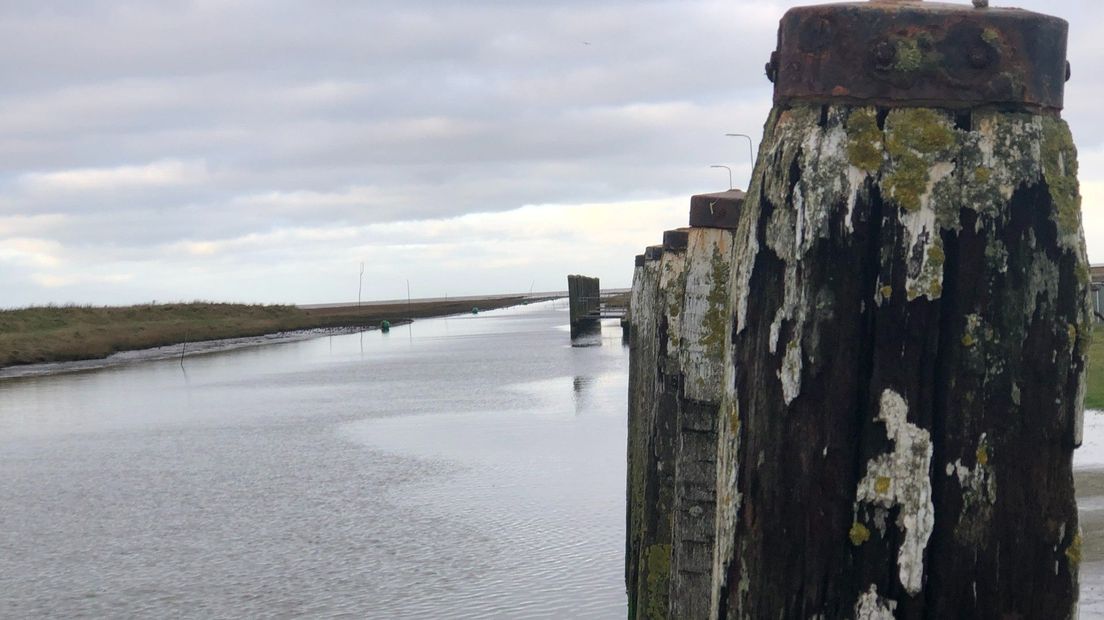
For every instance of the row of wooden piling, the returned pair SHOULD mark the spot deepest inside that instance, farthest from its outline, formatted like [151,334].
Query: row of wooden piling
[846,405]
[857,395]
[678,311]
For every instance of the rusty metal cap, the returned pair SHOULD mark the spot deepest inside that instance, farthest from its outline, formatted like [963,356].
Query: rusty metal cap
[653,252]
[913,53]
[720,210]
[676,240]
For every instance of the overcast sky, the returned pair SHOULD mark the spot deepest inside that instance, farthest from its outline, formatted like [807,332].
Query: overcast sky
[260,151]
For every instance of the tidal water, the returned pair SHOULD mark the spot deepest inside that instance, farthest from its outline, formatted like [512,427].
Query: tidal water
[469,467]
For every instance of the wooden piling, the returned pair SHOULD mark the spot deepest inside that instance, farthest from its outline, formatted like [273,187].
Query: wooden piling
[646,565]
[584,303]
[672,424]
[703,322]
[889,347]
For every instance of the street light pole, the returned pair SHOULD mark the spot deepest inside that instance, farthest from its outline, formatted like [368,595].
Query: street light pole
[751,148]
[729,173]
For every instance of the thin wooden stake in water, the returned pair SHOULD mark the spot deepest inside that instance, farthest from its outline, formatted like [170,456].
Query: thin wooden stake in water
[183,348]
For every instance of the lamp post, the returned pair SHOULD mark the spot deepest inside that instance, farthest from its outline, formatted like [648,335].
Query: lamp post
[729,173]
[751,149]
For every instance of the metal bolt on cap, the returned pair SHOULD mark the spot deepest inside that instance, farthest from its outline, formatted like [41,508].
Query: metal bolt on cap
[917,53]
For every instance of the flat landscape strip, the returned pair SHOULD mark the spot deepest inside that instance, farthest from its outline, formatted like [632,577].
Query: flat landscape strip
[69,333]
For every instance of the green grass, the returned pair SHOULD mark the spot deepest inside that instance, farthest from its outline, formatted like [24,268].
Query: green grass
[1094,395]
[68,333]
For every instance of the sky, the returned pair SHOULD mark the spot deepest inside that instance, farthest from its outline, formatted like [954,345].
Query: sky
[260,151]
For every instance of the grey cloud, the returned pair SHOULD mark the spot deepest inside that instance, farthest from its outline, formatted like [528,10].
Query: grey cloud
[343,112]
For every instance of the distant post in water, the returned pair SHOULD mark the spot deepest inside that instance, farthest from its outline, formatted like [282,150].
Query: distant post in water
[584,298]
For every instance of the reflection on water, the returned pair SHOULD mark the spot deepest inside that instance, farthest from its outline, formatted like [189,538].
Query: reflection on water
[472,467]
[579,387]
[588,334]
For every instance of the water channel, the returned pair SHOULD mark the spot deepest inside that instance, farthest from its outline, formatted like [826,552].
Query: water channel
[467,467]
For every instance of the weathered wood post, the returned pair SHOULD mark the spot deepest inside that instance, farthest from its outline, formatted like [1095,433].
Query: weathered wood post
[641,561]
[703,328]
[680,310]
[584,303]
[652,426]
[910,322]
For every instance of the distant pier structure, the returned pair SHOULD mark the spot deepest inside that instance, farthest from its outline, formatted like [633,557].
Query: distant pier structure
[584,303]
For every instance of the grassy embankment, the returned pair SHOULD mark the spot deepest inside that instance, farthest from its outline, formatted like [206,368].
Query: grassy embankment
[1094,396]
[67,333]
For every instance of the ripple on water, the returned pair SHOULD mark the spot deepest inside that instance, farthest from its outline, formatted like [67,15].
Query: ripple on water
[541,491]
[354,476]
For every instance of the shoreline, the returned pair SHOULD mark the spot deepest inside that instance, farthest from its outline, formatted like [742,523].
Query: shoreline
[174,351]
[422,309]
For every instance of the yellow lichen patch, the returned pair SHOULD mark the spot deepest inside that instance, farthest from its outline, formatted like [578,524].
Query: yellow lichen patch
[982,455]
[936,256]
[909,55]
[907,183]
[982,174]
[881,485]
[859,534]
[658,564]
[1060,168]
[922,130]
[712,337]
[1073,552]
[973,324]
[1083,274]
[915,137]
[887,291]
[864,140]
[1071,334]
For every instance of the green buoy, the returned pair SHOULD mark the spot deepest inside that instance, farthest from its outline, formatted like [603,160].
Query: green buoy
[475,310]
[385,326]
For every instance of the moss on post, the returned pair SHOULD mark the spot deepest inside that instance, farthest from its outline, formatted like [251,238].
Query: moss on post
[940,262]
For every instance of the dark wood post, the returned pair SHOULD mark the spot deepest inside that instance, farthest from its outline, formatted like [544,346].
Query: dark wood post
[584,303]
[678,335]
[910,322]
[703,328]
[904,311]
[645,567]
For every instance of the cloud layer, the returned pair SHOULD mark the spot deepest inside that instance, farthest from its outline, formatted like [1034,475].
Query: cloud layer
[258,151]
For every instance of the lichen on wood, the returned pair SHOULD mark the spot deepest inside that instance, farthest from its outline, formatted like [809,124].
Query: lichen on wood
[870,606]
[919,256]
[894,336]
[900,479]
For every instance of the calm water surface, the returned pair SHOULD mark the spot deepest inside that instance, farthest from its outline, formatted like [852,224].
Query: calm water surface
[465,468]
